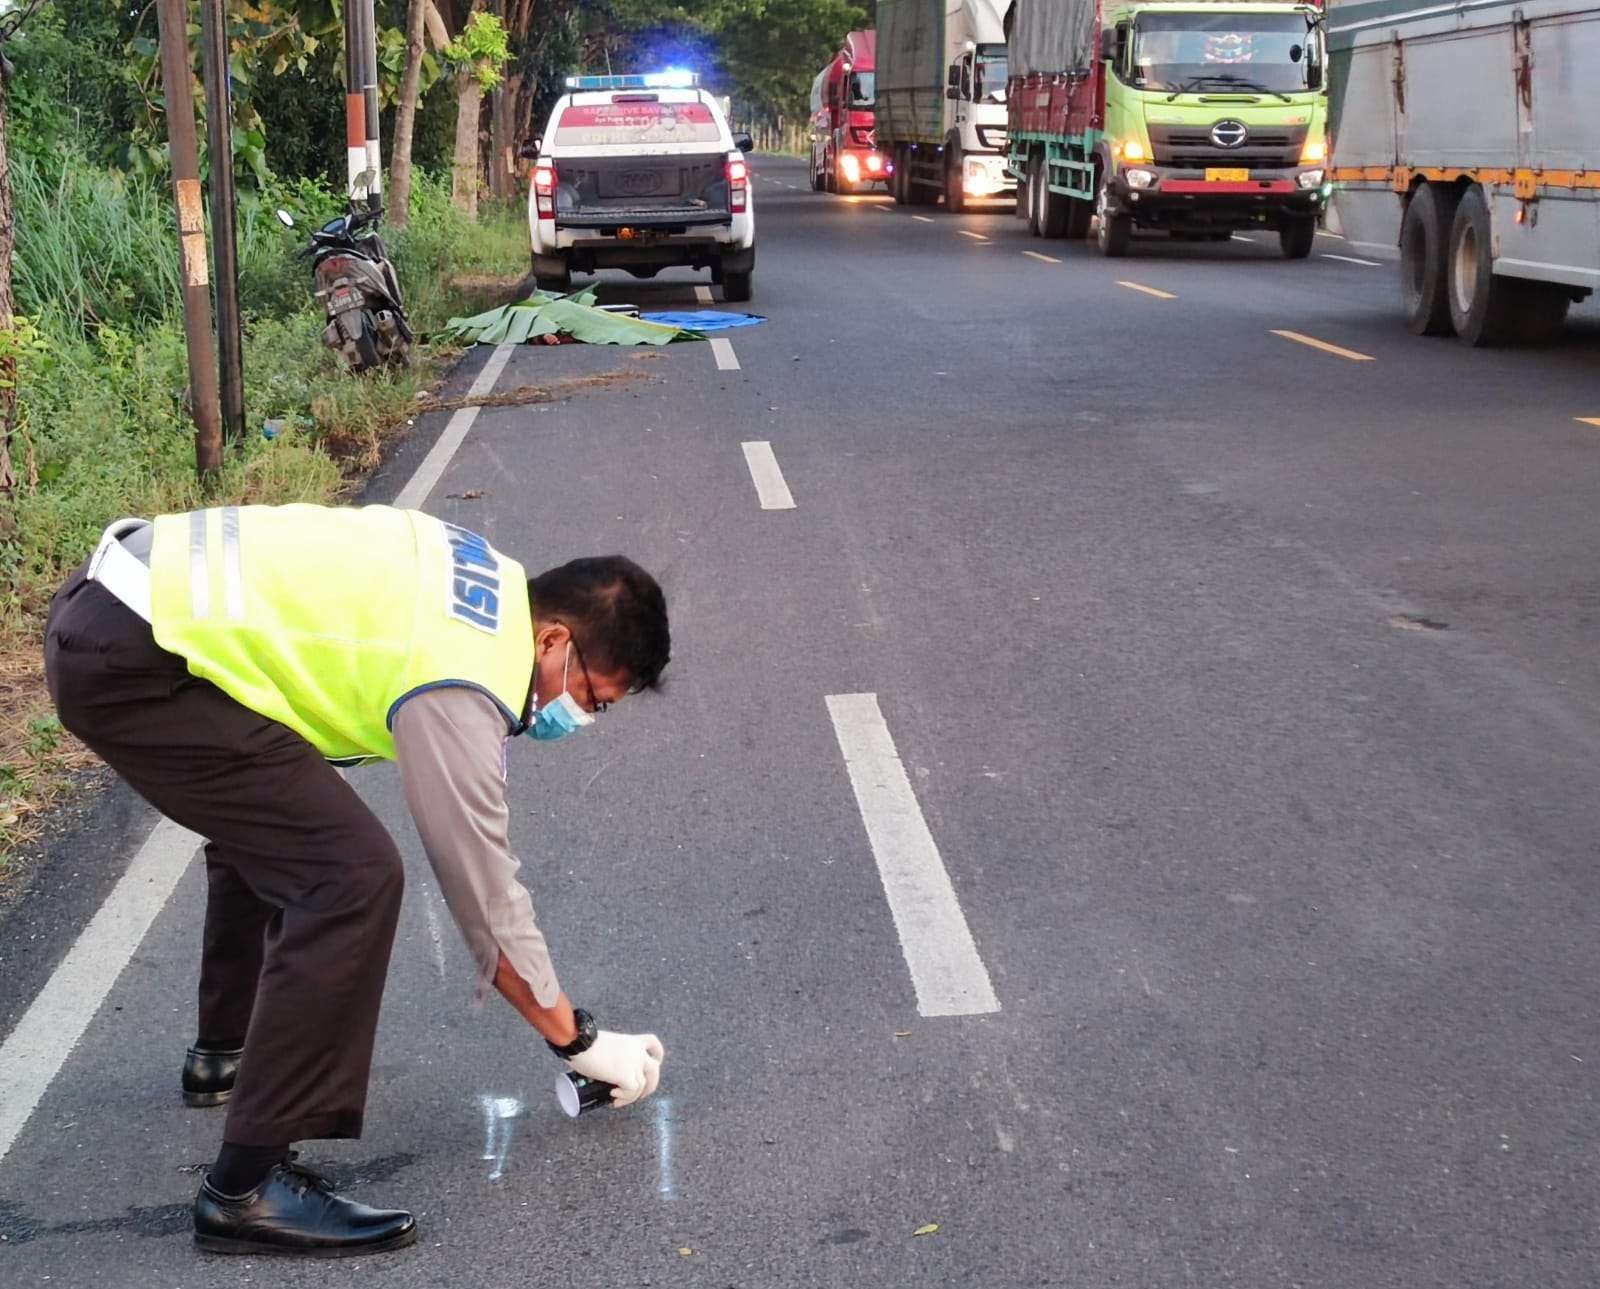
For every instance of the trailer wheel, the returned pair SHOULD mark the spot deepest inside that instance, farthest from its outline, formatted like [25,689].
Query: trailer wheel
[1080,214]
[1024,196]
[1297,237]
[1115,232]
[1424,260]
[1484,307]
[900,181]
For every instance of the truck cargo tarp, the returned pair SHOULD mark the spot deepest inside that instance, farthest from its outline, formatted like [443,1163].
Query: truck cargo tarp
[1052,36]
[560,315]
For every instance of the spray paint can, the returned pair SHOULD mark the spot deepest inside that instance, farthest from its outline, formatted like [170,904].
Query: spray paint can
[579,1095]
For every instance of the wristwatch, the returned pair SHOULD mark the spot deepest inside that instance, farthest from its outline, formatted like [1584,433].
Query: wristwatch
[587,1033]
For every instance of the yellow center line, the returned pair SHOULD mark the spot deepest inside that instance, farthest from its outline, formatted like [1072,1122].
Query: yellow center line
[1323,345]
[1148,290]
[977,237]
[1590,420]
[1047,259]
[924,218]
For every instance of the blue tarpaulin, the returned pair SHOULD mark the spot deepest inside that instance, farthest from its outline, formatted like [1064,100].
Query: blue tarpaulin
[703,319]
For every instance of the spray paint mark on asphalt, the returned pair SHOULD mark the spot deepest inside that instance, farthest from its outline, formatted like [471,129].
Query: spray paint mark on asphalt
[664,1147]
[499,1118]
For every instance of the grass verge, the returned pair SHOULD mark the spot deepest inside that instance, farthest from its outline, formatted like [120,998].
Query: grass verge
[103,427]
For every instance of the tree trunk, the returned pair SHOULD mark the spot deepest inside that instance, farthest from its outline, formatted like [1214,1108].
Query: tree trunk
[464,179]
[405,117]
[8,364]
[503,138]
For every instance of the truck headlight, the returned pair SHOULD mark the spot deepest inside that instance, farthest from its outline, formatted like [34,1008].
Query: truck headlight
[1310,179]
[1138,178]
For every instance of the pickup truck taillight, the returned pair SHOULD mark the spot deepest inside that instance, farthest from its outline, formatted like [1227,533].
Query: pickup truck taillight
[544,189]
[738,184]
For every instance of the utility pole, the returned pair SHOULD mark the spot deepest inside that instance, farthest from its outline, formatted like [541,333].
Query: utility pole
[355,102]
[177,83]
[219,140]
[369,89]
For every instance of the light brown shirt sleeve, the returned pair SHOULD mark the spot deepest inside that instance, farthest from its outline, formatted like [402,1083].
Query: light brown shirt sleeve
[450,744]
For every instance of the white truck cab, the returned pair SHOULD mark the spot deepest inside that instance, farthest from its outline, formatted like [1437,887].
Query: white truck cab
[641,172]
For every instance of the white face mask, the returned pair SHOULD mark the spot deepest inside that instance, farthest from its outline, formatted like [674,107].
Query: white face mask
[561,715]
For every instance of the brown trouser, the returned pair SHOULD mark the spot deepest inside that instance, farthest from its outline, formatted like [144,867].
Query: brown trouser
[303,882]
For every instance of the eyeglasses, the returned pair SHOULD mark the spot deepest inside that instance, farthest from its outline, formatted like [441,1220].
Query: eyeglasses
[595,705]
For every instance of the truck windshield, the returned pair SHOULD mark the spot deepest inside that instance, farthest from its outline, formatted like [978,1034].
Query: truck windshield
[1182,52]
[863,89]
[990,74]
[635,119]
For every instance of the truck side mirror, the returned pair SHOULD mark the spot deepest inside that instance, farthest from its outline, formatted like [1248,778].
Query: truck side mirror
[952,78]
[952,92]
[744,142]
[1108,44]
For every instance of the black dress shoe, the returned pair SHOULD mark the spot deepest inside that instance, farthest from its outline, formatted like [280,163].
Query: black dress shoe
[208,1075]
[294,1212]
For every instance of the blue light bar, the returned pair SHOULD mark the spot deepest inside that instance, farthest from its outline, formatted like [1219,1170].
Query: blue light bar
[671,79]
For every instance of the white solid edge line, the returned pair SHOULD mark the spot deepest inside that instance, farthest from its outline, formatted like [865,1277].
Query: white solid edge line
[948,975]
[1350,259]
[703,294]
[39,1045]
[444,449]
[771,489]
[926,219]
[722,351]
[1240,237]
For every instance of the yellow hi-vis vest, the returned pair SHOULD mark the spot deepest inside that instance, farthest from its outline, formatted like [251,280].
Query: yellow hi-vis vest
[326,620]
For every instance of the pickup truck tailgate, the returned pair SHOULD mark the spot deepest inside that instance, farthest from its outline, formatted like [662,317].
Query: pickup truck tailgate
[682,189]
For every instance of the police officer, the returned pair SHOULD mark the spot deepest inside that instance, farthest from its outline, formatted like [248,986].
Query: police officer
[225,662]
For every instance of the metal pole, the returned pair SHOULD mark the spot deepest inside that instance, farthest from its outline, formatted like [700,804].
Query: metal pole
[224,238]
[369,86]
[178,86]
[355,113]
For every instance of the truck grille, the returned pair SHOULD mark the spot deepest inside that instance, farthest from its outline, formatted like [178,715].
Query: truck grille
[1188,147]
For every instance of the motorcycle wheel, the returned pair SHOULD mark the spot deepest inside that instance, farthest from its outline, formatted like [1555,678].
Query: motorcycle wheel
[361,333]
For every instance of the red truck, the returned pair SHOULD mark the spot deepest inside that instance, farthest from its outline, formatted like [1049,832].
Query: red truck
[844,156]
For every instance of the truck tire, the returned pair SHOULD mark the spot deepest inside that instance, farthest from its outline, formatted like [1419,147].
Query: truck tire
[1115,232]
[955,196]
[1035,185]
[1485,308]
[1055,214]
[1024,198]
[736,286]
[1424,260]
[1297,237]
[1080,214]
[900,180]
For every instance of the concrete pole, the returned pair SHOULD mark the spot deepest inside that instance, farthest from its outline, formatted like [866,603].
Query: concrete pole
[219,143]
[178,86]
[355,103]
[369,87]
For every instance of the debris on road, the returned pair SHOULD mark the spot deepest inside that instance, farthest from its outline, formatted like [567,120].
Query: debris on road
[703,320]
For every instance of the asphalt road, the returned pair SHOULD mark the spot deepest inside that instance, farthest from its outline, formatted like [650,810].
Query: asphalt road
[1250,696]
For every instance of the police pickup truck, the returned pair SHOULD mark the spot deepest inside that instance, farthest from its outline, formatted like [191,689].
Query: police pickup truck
[640,173]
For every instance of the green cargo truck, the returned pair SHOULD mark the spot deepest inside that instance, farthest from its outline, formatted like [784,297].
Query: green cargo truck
[1195,119]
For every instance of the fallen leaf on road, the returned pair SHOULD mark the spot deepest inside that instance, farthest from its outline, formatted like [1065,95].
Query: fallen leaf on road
[929,1229]
[902,1033]
[685,1251]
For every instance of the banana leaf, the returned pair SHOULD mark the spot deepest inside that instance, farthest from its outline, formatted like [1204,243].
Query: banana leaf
[573,315]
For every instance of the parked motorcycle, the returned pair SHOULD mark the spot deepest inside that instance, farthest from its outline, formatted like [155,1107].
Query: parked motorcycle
[360,294]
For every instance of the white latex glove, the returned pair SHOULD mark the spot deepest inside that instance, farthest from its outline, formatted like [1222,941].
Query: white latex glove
[631,1061]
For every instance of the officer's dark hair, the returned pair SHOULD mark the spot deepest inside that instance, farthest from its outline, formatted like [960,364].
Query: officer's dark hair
[615,611]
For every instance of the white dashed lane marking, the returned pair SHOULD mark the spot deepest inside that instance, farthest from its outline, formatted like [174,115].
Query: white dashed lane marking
[771,489]
[948,975]
[722,351]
